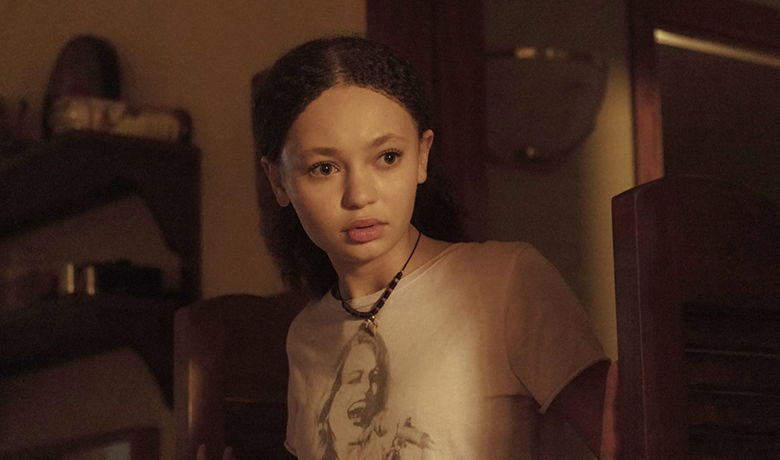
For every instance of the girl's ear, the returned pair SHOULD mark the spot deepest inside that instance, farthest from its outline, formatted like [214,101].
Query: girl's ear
[275,178]
[426,141]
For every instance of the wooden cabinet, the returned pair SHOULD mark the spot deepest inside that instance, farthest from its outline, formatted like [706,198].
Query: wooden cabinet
[71,174]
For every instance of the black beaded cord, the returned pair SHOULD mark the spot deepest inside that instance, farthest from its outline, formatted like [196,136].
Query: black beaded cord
[369,315]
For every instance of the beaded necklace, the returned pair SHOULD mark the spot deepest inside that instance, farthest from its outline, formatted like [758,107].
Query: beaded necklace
[371,323]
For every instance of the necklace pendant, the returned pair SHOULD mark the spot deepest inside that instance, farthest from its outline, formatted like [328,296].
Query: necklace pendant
[372,324]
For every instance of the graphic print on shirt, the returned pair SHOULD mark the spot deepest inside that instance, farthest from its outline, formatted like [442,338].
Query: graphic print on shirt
[355,422]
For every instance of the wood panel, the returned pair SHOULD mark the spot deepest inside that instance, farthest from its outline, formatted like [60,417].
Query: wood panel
[648,141]
[230,375]
[697,264]
[445,42]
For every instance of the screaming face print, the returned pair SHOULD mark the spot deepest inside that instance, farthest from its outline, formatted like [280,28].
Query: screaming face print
[354,423]
[356,398]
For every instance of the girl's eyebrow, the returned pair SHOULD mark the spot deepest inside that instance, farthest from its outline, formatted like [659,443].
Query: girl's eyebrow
[379,141]
[386,138]
[326,151]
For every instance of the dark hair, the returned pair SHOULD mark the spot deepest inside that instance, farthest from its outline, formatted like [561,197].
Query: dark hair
[281,94]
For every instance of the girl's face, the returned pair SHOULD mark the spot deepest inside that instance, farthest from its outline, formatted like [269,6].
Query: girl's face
[350,168]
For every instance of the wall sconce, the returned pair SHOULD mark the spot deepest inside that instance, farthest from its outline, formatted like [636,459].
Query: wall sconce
[541,103]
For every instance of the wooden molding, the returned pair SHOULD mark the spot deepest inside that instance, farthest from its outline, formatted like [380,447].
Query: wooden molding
[446,45]
[728,21]
[648,141]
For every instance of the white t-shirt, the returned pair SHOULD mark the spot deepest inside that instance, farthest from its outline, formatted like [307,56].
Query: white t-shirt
[471,348]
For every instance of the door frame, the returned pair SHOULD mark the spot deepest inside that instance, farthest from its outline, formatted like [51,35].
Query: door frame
[729,21]
[445,42]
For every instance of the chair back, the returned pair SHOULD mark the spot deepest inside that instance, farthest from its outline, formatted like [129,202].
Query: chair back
[697,274]
[230,375]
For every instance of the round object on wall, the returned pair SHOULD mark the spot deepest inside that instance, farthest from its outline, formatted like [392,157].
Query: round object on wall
[541,103]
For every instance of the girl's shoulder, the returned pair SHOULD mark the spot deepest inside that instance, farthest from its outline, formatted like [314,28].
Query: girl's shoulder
[476,259]
[490,251]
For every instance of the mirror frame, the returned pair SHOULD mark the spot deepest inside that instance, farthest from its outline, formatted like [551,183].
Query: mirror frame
[728,21]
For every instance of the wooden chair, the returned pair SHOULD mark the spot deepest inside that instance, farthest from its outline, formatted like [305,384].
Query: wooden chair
[697,273]
[230,375]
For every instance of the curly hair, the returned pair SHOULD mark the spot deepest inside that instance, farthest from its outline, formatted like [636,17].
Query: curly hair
[279,97]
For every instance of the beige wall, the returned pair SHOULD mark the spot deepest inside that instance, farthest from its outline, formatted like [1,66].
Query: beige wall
[195,54]
[566,213]
[199,55]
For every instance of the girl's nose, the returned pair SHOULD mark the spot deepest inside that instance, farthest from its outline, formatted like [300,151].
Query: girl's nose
[359,190]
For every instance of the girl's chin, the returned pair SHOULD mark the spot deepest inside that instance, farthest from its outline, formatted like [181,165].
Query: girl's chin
[347,250]
[362,253]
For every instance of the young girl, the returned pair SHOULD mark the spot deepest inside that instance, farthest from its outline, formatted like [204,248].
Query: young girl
[413,347]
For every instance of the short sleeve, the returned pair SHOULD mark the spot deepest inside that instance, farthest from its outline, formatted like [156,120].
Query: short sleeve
[292,401]
[549,339]
[290,436]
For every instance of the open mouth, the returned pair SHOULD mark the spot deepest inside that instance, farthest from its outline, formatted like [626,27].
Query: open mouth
[364,231]
[356,412]
[363,224]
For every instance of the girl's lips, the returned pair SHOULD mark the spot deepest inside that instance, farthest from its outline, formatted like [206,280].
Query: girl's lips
[364,231]
[362,235]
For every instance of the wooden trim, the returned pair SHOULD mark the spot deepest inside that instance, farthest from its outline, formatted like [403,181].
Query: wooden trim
[633,439]
[648,141]
[446,45]
[230,363]
[683,247]
[407,26]
[461,106]
[728,21]
[733,21]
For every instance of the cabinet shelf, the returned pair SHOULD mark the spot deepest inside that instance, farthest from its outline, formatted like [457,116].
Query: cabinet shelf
[71,174]
[78,325]
[81,170]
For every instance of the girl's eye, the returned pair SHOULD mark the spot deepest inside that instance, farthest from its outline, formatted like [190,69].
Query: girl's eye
[322,169]
[390,157]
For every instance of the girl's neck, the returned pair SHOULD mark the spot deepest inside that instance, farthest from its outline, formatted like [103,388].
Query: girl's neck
[360,280]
